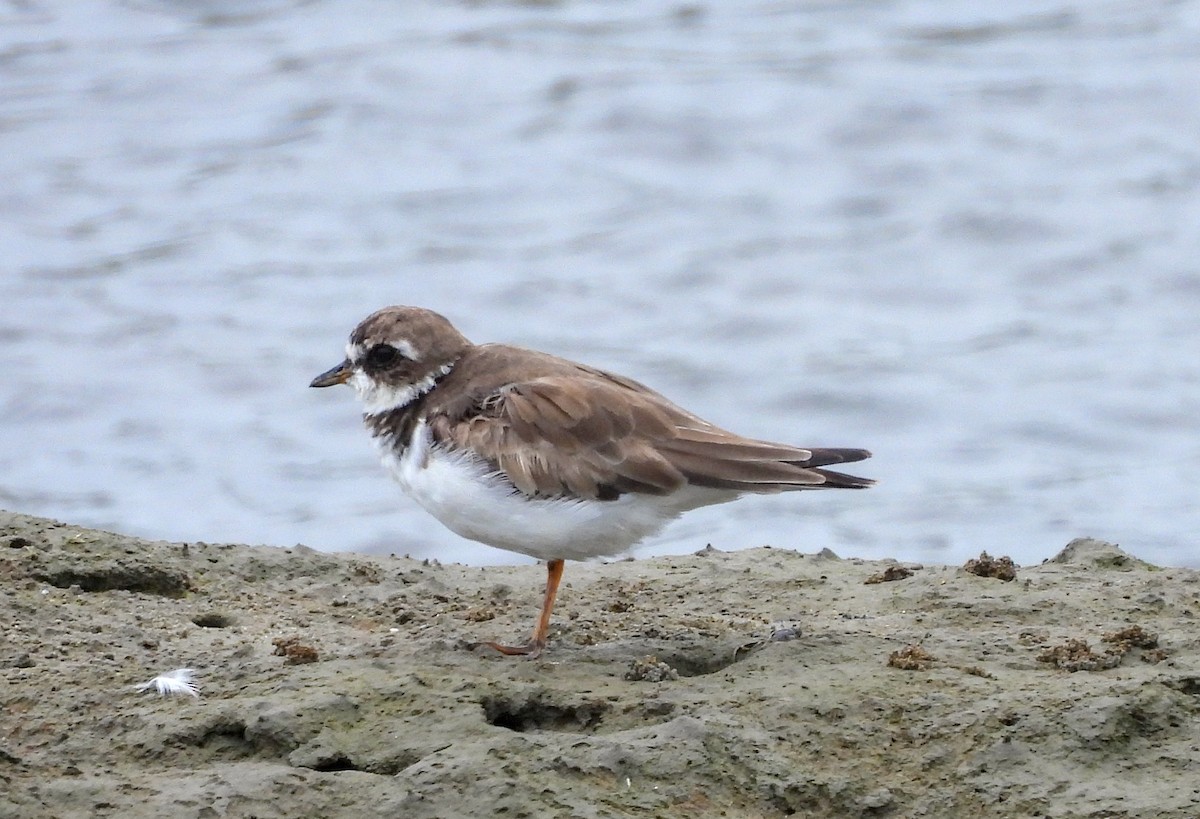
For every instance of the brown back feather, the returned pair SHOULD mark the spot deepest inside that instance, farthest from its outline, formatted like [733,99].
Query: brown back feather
[577,431]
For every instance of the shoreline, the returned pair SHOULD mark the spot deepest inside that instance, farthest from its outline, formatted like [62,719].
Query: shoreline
[763,682]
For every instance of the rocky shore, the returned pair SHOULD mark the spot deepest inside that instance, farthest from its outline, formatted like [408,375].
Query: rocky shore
[764,683]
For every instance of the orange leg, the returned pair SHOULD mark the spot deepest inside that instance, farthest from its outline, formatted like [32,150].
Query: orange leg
[554,571]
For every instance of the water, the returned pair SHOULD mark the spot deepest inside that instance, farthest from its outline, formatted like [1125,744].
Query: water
[963,235]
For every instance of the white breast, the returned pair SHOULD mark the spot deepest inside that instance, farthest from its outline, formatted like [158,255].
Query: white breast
[461,491]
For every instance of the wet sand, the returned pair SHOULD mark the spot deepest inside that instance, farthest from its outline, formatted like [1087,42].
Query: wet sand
[764,682]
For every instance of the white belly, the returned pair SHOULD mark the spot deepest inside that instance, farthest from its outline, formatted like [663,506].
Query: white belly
[460,491]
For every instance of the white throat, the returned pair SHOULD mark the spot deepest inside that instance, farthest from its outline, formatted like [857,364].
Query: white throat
[379,398]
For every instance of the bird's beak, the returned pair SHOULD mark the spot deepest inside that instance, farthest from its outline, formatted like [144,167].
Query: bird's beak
[338,375]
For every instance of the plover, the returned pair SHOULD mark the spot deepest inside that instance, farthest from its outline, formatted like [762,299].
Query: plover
[539,455]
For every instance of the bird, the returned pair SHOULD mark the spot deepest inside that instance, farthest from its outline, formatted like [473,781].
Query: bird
[546,457]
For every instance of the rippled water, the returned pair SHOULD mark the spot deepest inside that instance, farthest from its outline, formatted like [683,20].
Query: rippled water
[964,235]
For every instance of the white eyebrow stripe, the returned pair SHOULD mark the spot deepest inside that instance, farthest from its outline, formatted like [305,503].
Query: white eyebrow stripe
[356,351]
[406,350]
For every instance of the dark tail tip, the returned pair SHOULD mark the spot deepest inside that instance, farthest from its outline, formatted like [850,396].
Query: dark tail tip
[840,480]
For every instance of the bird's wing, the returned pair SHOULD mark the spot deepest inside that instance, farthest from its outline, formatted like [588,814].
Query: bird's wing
[596,435]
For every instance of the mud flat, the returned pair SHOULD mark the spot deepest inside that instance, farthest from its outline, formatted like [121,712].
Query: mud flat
[764,682]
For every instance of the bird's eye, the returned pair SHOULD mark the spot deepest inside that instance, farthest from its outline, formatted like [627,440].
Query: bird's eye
[382,356]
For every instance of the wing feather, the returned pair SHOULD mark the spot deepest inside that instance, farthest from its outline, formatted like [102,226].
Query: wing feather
[591,435]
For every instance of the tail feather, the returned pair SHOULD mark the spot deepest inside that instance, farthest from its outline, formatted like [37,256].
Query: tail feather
[840,480]
[732,467]
[827,457]
[833,479]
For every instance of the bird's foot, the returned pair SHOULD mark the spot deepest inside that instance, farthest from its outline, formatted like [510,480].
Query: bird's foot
[532,649]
